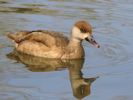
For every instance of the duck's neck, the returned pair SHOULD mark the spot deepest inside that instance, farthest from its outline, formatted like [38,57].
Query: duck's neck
[74,42]
[74,50]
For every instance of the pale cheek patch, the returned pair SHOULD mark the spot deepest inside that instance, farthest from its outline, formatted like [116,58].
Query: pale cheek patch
[75,31]
[89,36]
[86,35]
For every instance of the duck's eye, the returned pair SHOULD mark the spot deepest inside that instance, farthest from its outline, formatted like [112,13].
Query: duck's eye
[83,30]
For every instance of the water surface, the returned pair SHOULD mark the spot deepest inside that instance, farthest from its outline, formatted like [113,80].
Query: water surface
[106,73]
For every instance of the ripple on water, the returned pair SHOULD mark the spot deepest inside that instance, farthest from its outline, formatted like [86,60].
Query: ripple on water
[12,96]
[12,92]
[113,51]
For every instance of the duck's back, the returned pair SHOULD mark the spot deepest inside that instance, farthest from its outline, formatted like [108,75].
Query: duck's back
[40,43]
[43,36]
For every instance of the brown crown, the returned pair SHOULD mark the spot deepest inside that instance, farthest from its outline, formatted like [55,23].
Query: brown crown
[84,26]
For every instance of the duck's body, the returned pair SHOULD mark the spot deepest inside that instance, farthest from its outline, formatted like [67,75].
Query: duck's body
[51,44]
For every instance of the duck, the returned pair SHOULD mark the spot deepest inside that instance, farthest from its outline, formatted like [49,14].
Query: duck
[52,44]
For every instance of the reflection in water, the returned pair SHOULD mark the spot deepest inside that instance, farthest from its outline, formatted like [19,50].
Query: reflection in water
[3,2]
[80,85]
[33,10]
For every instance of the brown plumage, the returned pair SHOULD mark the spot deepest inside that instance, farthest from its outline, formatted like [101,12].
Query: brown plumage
[38,35]
[84,26]
[51,44]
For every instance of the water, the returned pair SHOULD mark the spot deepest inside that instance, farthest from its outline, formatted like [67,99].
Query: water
[106,73]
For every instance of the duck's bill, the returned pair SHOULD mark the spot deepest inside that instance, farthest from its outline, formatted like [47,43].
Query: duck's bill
[93,42]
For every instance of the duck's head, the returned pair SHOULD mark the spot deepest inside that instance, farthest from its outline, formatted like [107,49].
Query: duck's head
[83,31]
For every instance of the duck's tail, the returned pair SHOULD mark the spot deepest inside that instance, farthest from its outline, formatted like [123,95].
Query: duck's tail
[12,36]
[18,36]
